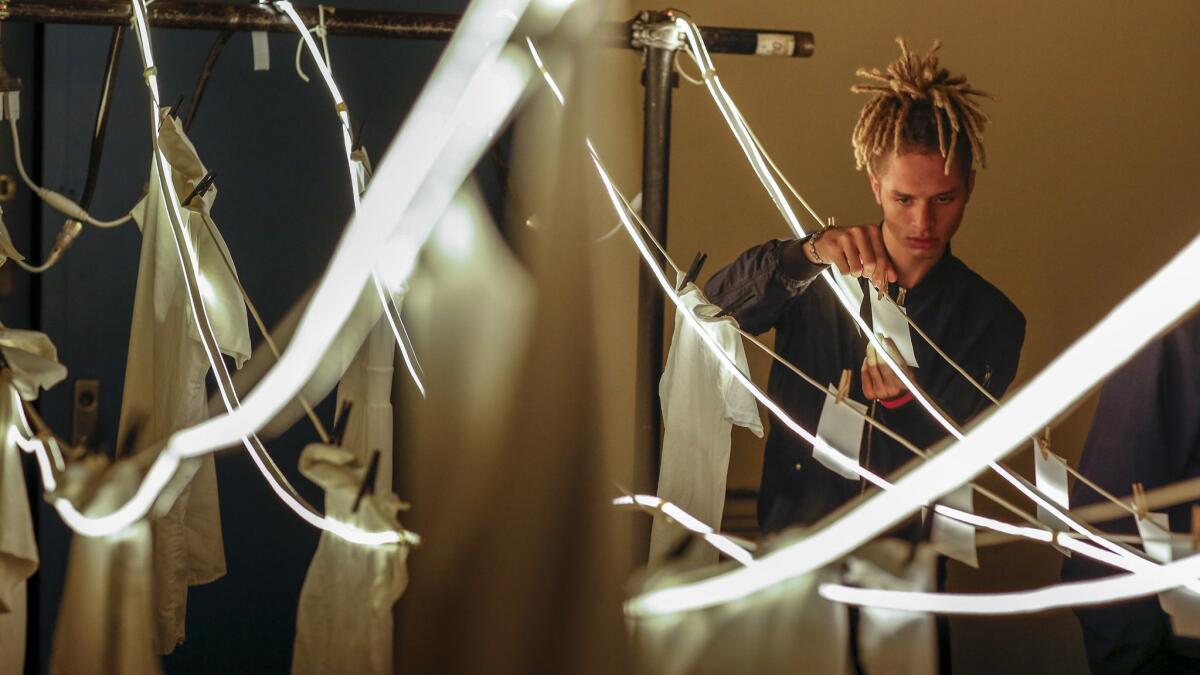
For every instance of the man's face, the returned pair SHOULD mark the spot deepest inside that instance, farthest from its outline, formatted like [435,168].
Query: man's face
[922,206]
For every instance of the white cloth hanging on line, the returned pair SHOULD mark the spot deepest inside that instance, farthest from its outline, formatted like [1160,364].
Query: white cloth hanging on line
[166,369]
[33,364]
[701,401]
[344,618]
[106,619]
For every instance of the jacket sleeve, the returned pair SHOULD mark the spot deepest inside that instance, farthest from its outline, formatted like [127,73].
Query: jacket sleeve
[756,285]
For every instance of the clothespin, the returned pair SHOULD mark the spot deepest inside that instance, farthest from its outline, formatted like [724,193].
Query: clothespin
[737,304]
[843,385]
[356,139]
[173,111]
[900,296]
[693,270]
[1139,501]
[1195,527]
[340,423]
[1043,443]
[201,187]
[368,484]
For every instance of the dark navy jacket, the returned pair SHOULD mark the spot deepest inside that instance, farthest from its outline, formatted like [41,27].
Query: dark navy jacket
[968,317]
[1146,430]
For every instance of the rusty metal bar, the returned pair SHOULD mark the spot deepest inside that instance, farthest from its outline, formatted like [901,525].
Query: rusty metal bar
[368,23]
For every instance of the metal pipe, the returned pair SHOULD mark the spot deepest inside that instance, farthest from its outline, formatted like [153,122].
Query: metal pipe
[206,70]
[102,109]
[345,21]
[658,79]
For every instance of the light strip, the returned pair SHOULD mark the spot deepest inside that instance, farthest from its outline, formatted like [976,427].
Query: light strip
[343,112]
[691,523]
[1153,307]
[436,118]
[1057,596]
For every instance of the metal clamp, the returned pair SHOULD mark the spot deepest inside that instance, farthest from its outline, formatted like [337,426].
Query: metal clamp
[655,29]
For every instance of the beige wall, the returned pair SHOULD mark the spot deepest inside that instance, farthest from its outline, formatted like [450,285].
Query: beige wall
[1091,186]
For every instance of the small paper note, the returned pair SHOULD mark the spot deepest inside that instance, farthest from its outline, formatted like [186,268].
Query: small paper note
[1155,531]
[954,538]
[262,50]
[890,320]
[1184,607]
[841,428]
[1050,473]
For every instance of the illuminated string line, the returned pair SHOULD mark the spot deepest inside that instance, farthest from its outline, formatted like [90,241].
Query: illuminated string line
[1150,309]
[436,119]
[699,53]
[689,522]
[188,260]
[390,310]
[1057,596]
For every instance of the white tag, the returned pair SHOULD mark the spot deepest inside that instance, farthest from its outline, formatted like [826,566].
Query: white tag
[262,50]
[953,538]
[1050,473]
[889,319]
[776,44]
[1155,531]
[841,428]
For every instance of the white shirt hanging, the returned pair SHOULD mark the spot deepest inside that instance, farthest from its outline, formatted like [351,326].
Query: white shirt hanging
[106,619]
[701,401]
[165,373]
[344,618]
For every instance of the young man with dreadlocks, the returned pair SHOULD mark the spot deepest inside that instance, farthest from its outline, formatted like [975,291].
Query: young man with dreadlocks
[919,138]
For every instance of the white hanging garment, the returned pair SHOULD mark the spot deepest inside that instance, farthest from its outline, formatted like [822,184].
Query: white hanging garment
[344,618]
[7,250]
[701,401]
[785,629]
[18,548]
[106,619]
[33,363]
[165,374]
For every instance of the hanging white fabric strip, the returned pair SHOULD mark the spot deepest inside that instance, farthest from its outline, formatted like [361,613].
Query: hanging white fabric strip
[166,370]
[344,618]
[701,402]
[106,620]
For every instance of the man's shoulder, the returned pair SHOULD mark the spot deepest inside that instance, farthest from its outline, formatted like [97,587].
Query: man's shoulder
[983,294]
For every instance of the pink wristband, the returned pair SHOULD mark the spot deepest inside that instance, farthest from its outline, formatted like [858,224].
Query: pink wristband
[893,403]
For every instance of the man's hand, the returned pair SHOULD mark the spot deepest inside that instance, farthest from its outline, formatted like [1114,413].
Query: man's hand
[878,380]
[854,250]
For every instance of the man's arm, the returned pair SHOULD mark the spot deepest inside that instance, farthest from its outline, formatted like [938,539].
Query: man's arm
[763,279]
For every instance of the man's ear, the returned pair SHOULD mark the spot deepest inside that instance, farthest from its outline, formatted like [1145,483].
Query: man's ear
[970,183]
[875,186]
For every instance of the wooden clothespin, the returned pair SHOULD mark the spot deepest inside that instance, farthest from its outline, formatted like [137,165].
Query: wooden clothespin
[340,422]
[843,385]
[1139,501]
[368,483]
[1043,443]
[900,296]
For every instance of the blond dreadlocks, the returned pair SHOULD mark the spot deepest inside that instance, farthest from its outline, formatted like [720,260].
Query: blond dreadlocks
[914,100]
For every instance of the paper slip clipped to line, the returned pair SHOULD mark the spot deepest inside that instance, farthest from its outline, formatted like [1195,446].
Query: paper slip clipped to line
[1181,604]
[889,320]
[1050,475]
[954,538]
[841,428]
